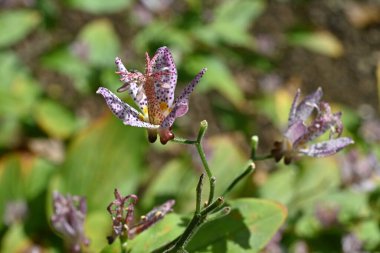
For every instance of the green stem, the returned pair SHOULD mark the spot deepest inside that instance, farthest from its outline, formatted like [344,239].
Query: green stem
[247,171]
[202,155]
[211,178]
[261,158]
[123,243]
[199,215]
[183,141]
[199,195]
[254,146]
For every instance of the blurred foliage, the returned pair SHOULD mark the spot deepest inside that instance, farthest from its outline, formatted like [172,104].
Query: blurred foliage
[56,133]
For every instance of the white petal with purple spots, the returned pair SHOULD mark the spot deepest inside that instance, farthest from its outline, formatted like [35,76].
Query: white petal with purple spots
[181,103]
[123,111]
[307,105]
[326,148]
[134,88]
[163,70]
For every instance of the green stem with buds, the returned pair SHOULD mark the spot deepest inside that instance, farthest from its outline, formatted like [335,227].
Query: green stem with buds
[213,208]
[123,243]
[202,155]
[254,146]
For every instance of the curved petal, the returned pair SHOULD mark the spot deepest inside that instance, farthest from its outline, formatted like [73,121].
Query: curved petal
[296,132]
[307,105]
[326,148]
[134,88]
[181,103]
[164,73]
[123,111]
[293,109]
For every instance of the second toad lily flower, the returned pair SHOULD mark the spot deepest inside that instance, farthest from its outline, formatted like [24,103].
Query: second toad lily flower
[153,93]
[299,132]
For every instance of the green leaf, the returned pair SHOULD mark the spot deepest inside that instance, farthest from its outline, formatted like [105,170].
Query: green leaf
[368,232]
[97,227]
[233,18]
[55,119]
[15,239]
[22,177]
[66,63]
[108,154]
[162,33]
[18,91]
[299,188]
[115,247]
[320,42]
[101,41]
[9,131]
[225,168]
[352,205]
[217,77]
[99,6]
[182,186]
[308,225]
[158,235]
[248,228]
[15,25]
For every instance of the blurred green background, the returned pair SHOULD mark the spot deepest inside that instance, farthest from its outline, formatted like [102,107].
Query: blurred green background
[57,134]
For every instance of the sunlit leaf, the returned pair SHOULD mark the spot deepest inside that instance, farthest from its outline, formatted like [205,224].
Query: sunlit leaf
[233,18]
[162,33]
[248,228]
[100,41]
[18,91]
[15,239]
[22,177]
[217,77]
[9,131]
[115,247]
[99,6]
[352,205]
[15,25]
[158,235]
[165,186]
[98,225]
[299,188]
[320,42]
[108,154]
[66,63]
[368,232]
[225,168]
[182,186]
[55,119]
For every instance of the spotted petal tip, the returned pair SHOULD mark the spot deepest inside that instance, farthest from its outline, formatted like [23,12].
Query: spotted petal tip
[307,105]
[123,111]
[181,103]
[327,148]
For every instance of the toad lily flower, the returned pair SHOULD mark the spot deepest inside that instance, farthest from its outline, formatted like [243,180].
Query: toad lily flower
[299,133]
[68,220]
[153,93]
[122,212]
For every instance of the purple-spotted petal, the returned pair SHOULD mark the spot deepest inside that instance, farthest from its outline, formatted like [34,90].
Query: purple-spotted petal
[295,132]
[308,104]
[293,109]
[123,111]
[151,218]
[131,84]
[163,70]
[324,121]
[181,103]
[326,148]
